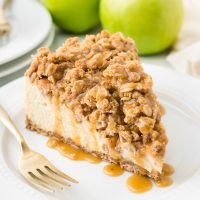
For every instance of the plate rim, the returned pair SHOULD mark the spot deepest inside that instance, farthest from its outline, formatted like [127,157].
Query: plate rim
[39,40]
[46,43]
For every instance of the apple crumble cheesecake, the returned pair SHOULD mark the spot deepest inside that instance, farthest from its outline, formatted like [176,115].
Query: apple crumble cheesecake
[95,95]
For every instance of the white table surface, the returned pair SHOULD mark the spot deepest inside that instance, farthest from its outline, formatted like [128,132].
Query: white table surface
[159,59]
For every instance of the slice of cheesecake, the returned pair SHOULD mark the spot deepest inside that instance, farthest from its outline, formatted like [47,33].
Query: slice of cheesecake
[94,94]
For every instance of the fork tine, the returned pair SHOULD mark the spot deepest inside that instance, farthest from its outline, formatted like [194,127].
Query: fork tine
[52,176]
[47,180]
[36,182]
[61,174]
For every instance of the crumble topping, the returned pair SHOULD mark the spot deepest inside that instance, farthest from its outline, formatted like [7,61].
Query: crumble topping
[101,80]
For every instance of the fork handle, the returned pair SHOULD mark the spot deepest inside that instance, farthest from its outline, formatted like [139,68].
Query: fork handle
[8,123]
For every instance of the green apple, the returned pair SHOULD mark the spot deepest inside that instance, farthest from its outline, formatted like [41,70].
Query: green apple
[153,24]
[74,15]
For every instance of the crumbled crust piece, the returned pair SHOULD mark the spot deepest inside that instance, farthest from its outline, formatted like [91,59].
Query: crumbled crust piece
[101,80]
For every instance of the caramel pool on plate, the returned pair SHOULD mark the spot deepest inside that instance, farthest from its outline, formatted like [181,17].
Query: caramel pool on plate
[136,183]
[165,181]
[72,152]
[139,184]
[113,170]
[167,169]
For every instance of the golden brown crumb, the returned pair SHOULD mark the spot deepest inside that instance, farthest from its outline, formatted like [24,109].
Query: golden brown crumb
[101,79]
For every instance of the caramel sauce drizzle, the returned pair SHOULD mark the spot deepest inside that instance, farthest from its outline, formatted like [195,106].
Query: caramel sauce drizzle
[165,181]
[58,118]
[113,170]
[167,169]
[75,129]
[77,139]
[136,183]
[72,152]
[92,130]
[139,184]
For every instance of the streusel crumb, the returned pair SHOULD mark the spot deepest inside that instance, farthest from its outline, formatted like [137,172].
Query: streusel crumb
[101,80]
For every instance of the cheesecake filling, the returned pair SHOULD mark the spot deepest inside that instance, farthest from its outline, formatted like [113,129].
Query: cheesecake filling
[50,116]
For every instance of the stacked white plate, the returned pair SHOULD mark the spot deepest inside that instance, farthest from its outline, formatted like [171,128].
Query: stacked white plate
[31,28]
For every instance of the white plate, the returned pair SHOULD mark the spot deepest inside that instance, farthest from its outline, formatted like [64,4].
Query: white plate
[25,60]
[180,95]
[31,23]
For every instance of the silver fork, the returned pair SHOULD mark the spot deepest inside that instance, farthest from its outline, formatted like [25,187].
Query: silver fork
[34,166]
[5,26]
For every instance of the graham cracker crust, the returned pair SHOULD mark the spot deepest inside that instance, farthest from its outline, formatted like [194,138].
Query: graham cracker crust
[126,165]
